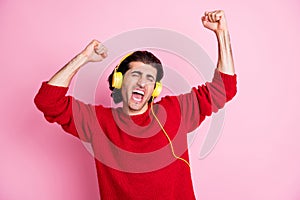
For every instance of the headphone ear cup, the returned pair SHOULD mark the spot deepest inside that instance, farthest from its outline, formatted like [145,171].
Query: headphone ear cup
[117,80]
[157,90]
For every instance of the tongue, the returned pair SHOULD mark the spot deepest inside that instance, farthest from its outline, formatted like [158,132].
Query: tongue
[137,97]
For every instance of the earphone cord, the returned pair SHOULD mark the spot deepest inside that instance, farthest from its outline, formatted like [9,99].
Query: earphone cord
[165,132]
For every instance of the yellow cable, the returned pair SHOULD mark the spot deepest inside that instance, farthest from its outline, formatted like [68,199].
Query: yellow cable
[162,128]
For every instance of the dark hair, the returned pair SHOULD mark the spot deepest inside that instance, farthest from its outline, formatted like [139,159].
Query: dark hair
[142,56]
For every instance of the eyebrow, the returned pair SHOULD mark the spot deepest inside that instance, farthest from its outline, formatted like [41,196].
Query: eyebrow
[140,73]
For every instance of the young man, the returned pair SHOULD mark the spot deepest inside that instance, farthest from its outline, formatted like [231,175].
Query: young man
[140,148]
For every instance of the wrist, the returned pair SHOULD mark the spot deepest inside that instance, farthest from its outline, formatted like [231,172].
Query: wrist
[82,56]
[221,32]
[77,62]
[81,59]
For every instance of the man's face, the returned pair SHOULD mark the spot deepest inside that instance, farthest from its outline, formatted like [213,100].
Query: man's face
[137,87]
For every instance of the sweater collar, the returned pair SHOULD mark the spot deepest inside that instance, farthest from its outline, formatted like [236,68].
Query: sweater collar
[141,119]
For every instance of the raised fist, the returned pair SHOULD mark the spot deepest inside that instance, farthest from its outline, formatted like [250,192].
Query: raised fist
[215,20]
[95,51]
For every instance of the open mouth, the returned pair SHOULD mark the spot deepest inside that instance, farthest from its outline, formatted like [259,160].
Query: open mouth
[138,95]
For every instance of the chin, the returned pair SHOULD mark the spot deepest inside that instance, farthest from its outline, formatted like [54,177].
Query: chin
[137,108]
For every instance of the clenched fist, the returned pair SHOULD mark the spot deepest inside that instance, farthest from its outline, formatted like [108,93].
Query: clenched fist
[215,20]
[95,51]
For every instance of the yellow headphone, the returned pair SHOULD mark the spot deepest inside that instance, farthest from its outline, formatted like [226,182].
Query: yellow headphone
[118,78]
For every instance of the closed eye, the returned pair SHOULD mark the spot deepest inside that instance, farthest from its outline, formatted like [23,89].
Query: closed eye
[150,78]
[136,73]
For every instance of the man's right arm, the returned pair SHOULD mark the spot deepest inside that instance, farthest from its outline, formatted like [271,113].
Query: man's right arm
[94,52]
[51,99]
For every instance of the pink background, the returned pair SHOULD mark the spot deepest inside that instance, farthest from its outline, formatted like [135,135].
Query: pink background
[258,155]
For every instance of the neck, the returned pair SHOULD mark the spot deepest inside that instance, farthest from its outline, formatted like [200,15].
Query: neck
[133,112]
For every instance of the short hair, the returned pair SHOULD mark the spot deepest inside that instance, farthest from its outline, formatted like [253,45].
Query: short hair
[145,57]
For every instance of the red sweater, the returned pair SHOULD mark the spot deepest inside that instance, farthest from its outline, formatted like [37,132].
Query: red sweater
[132,154]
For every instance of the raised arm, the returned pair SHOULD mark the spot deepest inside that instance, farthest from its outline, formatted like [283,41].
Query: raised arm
[216,22]
[94,52]
[74,116]
[212,96]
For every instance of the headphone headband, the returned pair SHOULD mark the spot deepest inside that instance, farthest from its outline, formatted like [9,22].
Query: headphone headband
[122,59]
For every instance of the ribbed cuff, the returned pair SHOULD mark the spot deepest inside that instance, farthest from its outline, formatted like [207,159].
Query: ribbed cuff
[229,82]
[51,90]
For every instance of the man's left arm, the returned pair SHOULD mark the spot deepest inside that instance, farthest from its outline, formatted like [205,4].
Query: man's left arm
[213,95]
[216,22]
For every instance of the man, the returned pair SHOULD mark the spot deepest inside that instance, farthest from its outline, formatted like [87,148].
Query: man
[140,148]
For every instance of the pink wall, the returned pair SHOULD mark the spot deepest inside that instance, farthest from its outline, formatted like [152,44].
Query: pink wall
[257,156]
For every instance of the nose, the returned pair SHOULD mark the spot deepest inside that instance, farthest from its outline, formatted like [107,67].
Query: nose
[142,82]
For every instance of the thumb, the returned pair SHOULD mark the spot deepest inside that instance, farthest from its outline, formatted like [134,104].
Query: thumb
[204,19]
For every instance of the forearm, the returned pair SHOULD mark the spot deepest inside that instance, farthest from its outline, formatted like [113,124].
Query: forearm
[225,59]
[64,76]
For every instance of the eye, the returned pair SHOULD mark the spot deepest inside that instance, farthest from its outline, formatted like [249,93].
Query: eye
[150,79]
[135,74]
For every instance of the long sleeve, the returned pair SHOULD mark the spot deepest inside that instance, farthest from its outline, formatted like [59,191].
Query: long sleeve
[205,99]
[213,95]
[74,116]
